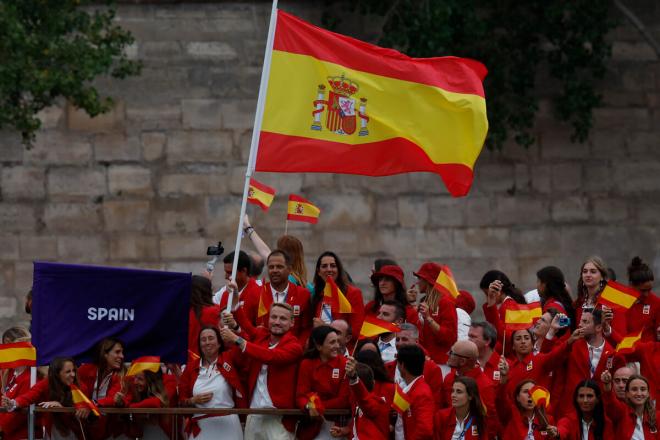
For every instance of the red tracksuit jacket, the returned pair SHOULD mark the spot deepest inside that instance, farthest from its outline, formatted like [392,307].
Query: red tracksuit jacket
[432,377]
[437,344]
[354,296]
[418,419]
[371,413]
[14,424]
[570,428]
[624,418]
[445,424]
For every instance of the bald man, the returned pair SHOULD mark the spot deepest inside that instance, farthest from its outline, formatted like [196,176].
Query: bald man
[344,335]
[463,362]
[620,379]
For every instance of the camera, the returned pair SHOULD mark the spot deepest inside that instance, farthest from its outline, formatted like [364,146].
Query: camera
[564,321]
[215,250]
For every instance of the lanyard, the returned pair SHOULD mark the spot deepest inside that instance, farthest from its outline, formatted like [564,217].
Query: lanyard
[469,423]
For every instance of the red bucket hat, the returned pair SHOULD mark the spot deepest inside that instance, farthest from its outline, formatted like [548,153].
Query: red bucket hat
[428,272]
[465,301]
[391,271]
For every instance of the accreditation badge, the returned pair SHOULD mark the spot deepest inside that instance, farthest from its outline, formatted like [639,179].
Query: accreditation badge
[335,373]
[475,431]
[646,310]
[226,366]
[609,363]
[296,310]
[530,366]
[496,376]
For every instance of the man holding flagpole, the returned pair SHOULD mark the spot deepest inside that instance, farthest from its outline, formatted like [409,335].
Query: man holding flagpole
[413,400]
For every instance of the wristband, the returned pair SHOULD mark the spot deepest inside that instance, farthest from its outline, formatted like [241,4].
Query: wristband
[239,341]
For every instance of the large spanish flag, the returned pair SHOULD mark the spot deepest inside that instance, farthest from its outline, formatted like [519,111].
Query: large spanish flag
[260,194]
[333,296]
[17,354]
[618,295]
[300,209]
[339,105]
[522,316]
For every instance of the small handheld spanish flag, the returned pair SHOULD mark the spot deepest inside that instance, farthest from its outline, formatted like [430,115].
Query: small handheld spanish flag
[333,296]
[260,194]
[144,363]
[627,344]
[540,396]
[522,316]
[618,295]
[400,403]
[300,209]
[82,401]
[445,283]
[315,402]
[17,354]
[373,326]
[265,299]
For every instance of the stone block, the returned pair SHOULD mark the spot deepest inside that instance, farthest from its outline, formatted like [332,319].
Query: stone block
[570,209]
[445,211]
[413,211]
[65,217]
[11,147]
[23,278]
[204,114]
[479,211]
[636,79]
[211,50]
[129,180]
[632,177]
[648,211]
[16,217]
[50,117]
[153,145]
[344,211]
[598,176]
[345,242]
[387,212]
[608,143]
[181,215]
[486,242]
[131,247]
[192,184]
[79,120]
[22,182]
[161,50]
[622,118]
[222,214]
[314,181]
[643,143]
[126,215]
[535,241]
[494,177]
[521,210]
[180,247]
[434,244]
[8,248]
[556,144]
[523,181]
[632,51]
[610,210]
[70,182]
[7,276]
[116,147]
[82,249]
[57,148]
[238,114]
[540,178]
[566,176]
[37,247]
[8,306]
[154,116]
[199,146]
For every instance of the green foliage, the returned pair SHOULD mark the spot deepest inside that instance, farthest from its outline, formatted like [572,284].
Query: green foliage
[519,41]
[56,48]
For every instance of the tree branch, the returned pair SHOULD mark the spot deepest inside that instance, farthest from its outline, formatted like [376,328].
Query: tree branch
[639,25]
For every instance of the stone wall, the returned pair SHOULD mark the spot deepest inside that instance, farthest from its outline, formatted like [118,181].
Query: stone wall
[155,181]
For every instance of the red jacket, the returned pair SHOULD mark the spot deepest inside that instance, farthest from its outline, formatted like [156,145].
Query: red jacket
[86,374]
[418,419]
[570,428]
[40,393]
[624,418]
[298,297]
[644,315]
[513,424]
[371,413]
[327,379]
[249,287]
[226,367]
[14,424]
[536,367]
[648,356]
[487,390]
[438,343]
[432,376]
[578,368]
[354,296]
[492,369]
[445,424]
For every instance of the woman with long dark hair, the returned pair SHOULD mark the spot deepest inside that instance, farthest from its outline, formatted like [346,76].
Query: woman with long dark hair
[501,294]
[383,383]
[588,421]
[203,312]
[551,285]
[212,382]
[644,314]
[637,417]
[321,383]
[465,419]
[54,392]
[390,286]
[329,265]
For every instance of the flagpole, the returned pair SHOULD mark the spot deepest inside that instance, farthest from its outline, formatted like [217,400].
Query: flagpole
[286,226]
[254,145]
[33,380]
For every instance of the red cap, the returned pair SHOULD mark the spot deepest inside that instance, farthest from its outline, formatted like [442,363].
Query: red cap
[391,271]
[428,272]
[465,301]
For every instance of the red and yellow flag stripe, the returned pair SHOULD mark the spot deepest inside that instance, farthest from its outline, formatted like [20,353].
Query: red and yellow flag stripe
[400,403]
[627,344]
[445,283]
[144,363]
[300,209]
[540,396]
[260,194]
[424,114]
[522,316]
[372,326]
[618,295]
[80,400]
[333,295]
[17,354]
